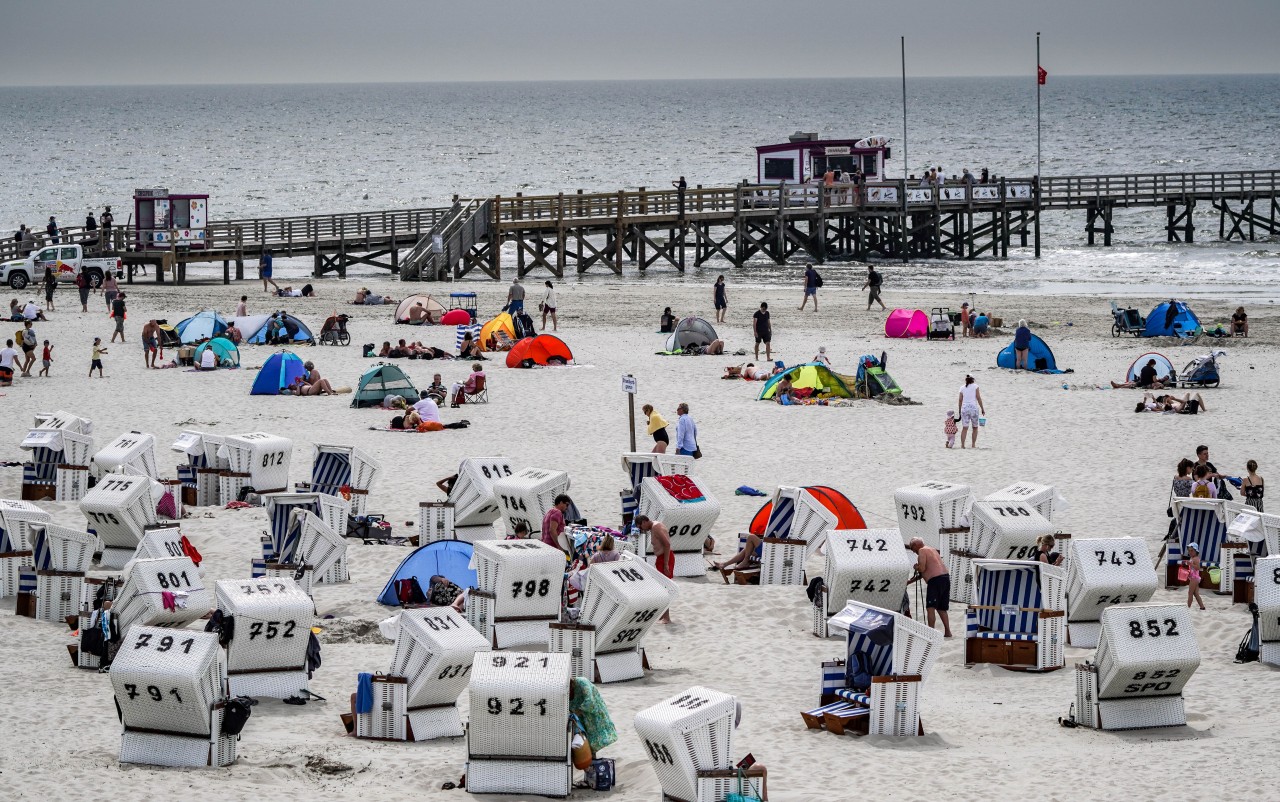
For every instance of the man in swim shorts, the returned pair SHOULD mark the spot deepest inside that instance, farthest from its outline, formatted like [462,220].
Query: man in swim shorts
[937,595]
[150,343]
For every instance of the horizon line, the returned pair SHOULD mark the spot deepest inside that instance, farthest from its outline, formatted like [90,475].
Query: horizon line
[894,76]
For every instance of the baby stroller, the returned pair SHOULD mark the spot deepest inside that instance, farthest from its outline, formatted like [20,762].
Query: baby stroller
[334,331]
[1202,371]
[1127,321]
[940,325]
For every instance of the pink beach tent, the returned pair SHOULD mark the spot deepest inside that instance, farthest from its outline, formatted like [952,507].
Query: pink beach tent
[906,323]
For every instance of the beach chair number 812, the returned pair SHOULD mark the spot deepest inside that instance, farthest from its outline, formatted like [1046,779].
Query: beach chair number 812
[530,587]
[1153,628]
[270,459]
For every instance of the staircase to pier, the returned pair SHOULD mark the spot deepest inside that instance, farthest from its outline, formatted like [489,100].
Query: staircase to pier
[441,250]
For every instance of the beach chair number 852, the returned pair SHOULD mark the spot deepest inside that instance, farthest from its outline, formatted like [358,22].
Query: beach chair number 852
[914,512]
[530,587]
[270,459]
[515,706]
[1153,628]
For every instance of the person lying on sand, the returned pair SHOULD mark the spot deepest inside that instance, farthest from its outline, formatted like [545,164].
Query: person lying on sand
[1168,403]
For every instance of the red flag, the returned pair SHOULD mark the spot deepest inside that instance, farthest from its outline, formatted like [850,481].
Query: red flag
[1041,75]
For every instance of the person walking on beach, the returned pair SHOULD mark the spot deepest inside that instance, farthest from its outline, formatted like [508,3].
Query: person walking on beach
[8,356]
[686,433]
[937,583]
[150,343]
[52,230]
[971,406]
[28,343]
[118,312]
[763,330]
[656,425]
[1193,575]
[873,282]
[110,289]
[720,297]
[548,307]
[663,557]
[515,298]
[46,359]
[50,284]
[811,284]
[264,270]
[96,362]
[242,308]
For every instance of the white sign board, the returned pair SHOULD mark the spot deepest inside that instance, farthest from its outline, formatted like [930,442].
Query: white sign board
[629,384]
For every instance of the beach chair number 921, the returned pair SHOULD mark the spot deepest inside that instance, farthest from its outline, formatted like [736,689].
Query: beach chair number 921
[1152,628]
[514,707]
[272,458]
[1113,557]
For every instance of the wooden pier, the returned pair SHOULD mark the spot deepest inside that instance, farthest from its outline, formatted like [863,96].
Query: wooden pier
[579,232]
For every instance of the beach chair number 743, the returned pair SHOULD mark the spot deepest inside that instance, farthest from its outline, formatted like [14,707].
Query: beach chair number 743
[1153,628]
[1114,557]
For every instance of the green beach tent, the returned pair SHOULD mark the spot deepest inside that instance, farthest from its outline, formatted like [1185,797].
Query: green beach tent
[380,381]
[823,380]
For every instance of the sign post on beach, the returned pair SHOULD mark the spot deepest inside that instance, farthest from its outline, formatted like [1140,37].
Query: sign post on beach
[629,387]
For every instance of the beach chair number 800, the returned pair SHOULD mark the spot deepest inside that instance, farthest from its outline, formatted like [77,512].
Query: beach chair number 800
[1153,628]
[530,587]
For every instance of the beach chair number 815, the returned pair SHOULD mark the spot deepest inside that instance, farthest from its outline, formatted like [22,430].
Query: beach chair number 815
[1153,628]
[530,587]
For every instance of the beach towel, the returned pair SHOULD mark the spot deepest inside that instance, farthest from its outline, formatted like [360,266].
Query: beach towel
[364,693]
[747,490]
[681,488]
[588,705]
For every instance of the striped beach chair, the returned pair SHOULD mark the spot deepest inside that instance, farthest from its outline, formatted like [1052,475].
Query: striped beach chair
[118,509]
[797,527]
[200,475]
[301,542]
[135,450]
[1016,620]
[61,557]
[1146,654]
[875,688]
[1202,521]
[16,519]
[338,467]
[640,466]
[1001,530]
[59,465]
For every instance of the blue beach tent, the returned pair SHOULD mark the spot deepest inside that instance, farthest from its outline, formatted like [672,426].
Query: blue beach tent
[448,558]
[1172,319]
[296,330]
[201,326]
[277,373]
[1040,357]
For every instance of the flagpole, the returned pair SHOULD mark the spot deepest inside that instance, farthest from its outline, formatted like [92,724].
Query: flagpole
[1037,144]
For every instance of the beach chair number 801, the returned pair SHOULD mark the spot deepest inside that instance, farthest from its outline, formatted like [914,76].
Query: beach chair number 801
[914,512]
[530,587]
[172,580]
[516,706]
[273,629]
[1114,557]
[1153,628]
[162,645]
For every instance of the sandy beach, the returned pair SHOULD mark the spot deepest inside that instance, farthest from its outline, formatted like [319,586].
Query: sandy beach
[990,733]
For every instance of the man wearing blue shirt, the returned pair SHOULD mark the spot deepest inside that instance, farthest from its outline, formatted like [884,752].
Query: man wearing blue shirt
[686,432]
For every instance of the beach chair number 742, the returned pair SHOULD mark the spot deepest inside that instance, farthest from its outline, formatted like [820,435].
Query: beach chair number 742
[865,545]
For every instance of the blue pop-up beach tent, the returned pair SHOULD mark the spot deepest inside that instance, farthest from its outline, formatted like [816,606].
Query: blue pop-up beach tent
[1039,357]
[448,558]
[201,326]
[1171,319]
[279,372]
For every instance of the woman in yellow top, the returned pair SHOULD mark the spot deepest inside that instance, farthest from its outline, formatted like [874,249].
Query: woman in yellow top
[657,428]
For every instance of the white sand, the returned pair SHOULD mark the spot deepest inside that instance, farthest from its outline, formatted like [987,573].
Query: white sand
[991,733]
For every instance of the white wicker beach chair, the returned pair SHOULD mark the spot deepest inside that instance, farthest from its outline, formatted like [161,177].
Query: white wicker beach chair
[436,522]
[1044,499]
[1145,656]
[1001,530]
[1266,594]
[518,739]
[864,566]
[267,655]
[61,557]
[1248,533]
[258,460]
[119,508]
[688,522]
[200,475]
[517,593]
[475,502]
[305,539]
[1104,572]
[417,699]
[141,599]
[640,465]
[797,527]
[621,601]
[526,495]
[1202,521]
[875,689]
[16,518]
[169,688]
[926,509]
[1016,618]
[135,450]
[336,467]
[59,466]
[689,741]
[160,540]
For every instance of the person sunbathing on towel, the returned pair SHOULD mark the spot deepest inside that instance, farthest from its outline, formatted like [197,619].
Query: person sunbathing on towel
[1168,403]
[469,348]
[1146,379]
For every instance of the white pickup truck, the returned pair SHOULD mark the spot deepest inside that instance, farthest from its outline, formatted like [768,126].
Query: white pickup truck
[67,261]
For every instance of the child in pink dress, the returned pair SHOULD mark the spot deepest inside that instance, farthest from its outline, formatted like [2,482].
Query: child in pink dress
[949,429]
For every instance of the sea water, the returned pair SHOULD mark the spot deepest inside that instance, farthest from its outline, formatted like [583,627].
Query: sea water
[263,150]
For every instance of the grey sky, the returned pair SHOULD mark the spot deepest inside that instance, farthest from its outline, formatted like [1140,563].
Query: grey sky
[79,42]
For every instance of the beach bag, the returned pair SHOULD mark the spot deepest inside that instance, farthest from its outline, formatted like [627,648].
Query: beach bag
[817,279]
[1183,574]
[600,774]
[746,791]
[1200,490]
[236,714]
[1249,648]
[1215,576]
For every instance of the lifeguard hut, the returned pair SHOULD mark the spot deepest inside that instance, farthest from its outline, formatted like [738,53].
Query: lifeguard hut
[804,156]
[164,219]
